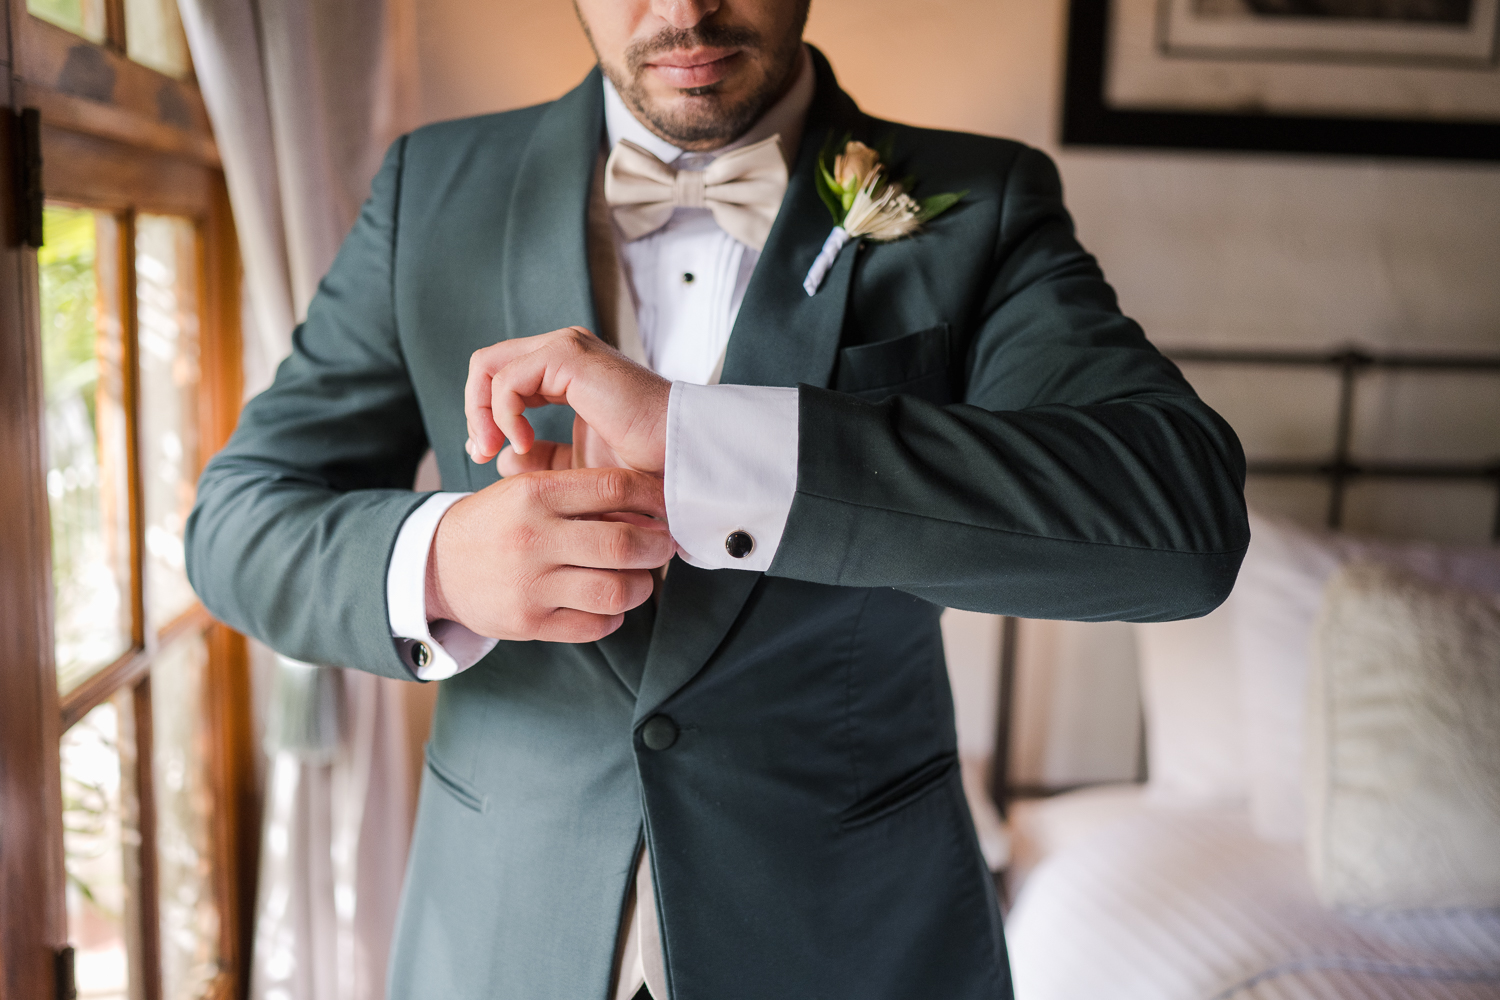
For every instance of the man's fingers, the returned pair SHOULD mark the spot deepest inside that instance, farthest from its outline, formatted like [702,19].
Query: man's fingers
[494,413]
[485,439]
[639,520]
[624,403]
[544,456]
[533,379]
[595,591]
[570,625]
[611,545]
[590,451]
[581,492]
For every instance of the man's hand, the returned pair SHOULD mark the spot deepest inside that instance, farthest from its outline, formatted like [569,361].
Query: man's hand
[557,556]
[622,403]
[588,451]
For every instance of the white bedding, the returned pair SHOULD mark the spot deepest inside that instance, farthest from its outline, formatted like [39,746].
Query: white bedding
[1177,904]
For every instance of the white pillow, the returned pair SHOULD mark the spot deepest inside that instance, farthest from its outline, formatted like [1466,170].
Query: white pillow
[1195,747]
[1276,600]
[1403,739]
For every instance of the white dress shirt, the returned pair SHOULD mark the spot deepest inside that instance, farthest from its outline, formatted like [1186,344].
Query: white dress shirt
[731,462]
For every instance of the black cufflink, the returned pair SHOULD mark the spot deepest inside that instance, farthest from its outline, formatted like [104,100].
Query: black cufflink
[420,655]
[739,544]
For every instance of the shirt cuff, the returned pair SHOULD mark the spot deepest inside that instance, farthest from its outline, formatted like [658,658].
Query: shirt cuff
[433,650]
[731,472]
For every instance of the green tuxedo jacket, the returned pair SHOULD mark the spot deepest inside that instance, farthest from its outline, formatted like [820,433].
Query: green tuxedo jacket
[979,428]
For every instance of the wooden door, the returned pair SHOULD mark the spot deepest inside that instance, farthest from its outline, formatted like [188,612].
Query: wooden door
[126,813]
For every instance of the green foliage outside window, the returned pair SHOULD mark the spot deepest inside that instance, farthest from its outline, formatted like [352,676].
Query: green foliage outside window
[82,17]
[70,380]
[86,493]
[69,300]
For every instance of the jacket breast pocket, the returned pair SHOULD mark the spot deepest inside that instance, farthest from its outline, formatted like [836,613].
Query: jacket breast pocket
[916,364]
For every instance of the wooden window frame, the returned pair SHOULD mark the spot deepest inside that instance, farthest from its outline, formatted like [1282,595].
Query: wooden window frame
[94,88]
[123,138]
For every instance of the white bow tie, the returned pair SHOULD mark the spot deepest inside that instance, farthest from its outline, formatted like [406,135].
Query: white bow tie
[742,188]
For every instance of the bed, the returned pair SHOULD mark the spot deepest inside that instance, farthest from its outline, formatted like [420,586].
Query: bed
[1166,902]
[1226,875]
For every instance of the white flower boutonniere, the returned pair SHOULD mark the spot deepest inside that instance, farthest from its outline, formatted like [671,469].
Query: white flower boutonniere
[866,204]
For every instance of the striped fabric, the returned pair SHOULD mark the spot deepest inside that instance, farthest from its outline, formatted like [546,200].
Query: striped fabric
[1191,905]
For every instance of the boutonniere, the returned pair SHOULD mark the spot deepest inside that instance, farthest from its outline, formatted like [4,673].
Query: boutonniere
[866,204]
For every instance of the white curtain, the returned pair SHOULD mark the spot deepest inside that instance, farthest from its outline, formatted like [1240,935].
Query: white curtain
[304,96]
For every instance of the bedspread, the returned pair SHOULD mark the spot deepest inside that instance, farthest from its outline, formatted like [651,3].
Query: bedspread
[1180,904]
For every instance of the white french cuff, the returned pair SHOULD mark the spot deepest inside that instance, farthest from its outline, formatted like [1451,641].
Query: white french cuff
[449,647]
[731,472]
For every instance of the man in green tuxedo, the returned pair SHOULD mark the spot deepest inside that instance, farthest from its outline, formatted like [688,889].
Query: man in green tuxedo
[695,738]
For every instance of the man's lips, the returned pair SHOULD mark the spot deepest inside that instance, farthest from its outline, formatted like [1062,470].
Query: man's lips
[685,69]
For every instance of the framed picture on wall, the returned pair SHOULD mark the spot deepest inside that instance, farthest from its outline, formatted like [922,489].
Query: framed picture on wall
[1413,78]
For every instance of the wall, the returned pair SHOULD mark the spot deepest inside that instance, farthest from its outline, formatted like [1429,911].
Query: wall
[1203,248]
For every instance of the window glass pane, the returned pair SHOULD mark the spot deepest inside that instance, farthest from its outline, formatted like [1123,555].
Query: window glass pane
[101,841]
[182,748]
[153,36]
[82,17]
[87,486]
[167,324]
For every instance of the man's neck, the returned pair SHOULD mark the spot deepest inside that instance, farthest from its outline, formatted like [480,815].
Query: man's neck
[785,118]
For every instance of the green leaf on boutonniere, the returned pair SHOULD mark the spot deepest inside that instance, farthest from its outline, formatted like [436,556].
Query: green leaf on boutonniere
[831,198]
[938,204]
[823,180]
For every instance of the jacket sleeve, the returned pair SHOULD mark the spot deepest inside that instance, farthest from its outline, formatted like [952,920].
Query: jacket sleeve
[296,517]
[1080,477]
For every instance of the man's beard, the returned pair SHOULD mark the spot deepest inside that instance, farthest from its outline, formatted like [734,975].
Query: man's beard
[712,118]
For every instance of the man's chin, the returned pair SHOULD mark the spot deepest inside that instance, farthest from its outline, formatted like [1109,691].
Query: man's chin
[692,119]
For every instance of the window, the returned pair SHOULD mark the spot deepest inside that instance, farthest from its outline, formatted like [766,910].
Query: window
[124,725]
[147,31]
[82,17]
[128,644]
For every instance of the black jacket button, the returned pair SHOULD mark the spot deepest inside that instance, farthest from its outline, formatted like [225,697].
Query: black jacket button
[659,732]
[739,544]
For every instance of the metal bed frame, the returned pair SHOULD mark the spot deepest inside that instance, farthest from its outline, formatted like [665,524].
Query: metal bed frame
[1339,469]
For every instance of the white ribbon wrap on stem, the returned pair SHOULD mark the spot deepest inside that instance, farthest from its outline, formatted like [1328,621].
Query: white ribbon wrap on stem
[824,262]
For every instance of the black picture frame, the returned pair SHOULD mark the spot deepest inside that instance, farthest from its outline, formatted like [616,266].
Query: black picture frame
[1088,120]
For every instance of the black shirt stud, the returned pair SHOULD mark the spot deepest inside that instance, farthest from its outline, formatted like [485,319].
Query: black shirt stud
[739,544]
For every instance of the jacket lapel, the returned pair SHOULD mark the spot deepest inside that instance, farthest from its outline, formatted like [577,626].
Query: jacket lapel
[697,608]
[782,337]
[545,270]
[625,648]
